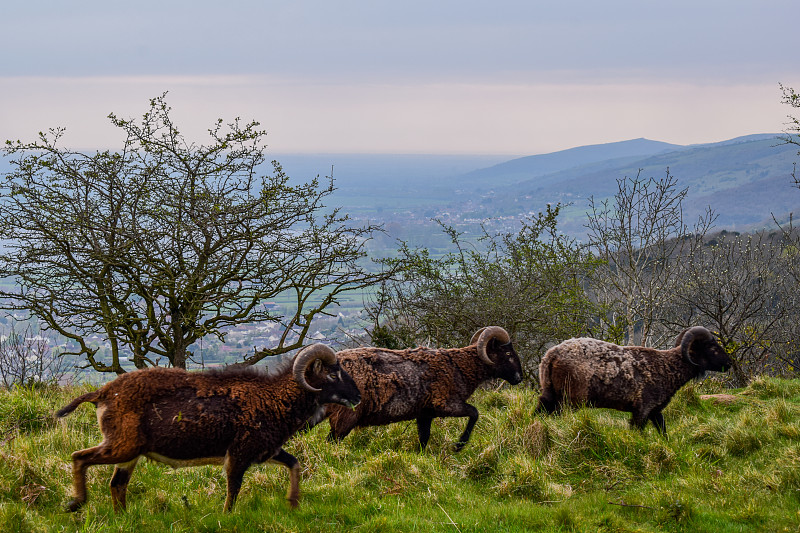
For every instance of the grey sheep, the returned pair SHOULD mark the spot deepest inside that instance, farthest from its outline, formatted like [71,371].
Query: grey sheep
[423,383]
[635,379]
[232,417]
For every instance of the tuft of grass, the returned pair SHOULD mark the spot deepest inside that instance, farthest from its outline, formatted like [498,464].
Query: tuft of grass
[536,439]
[14,517]
[660,458]
[522,477]
[687,396]
[766,388]
[483,466]
[25,410]
[787,471]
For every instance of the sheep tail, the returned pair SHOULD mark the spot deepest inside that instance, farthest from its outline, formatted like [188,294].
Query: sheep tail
[548,401]
[544,372]
[71,406]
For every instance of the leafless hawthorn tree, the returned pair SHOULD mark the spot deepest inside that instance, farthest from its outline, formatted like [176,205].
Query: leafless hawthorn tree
[792,136]
[792,132]
[737,287]
[165,241]
[27,359]
[639,234]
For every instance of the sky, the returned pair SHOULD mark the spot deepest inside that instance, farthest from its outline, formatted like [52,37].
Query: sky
[413,77]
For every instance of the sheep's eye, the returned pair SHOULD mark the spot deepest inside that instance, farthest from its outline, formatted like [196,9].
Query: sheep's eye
[330,377]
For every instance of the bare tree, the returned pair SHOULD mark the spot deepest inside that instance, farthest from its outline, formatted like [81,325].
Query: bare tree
[27,359]
[792,132]
[166,241]
[738,288]
[792,136]
[638,235]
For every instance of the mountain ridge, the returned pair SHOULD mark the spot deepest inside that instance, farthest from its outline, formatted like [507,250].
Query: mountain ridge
[745,180]
[543,164]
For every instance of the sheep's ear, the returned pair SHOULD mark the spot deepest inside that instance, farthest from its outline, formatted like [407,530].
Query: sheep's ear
[679,340]
[316,366]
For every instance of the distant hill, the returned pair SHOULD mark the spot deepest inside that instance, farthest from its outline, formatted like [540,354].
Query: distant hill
[525,168]
[744,180]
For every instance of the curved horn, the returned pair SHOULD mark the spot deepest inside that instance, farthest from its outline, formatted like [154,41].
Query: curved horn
[485,335]
[308,355]
[475,336]
[688,337]
[680,337]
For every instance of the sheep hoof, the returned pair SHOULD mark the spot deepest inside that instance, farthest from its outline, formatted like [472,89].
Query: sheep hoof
[457,447]
[293,503]
[74,505]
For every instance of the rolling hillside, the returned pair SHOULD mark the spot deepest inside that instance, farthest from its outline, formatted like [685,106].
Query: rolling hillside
[546,167]
[744,180]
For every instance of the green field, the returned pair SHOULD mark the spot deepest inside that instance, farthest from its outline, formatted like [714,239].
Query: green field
[725,467]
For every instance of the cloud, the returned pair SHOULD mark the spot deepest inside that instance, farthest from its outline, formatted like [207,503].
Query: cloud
[390,41]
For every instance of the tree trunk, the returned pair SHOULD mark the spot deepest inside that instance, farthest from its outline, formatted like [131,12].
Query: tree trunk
[178,359]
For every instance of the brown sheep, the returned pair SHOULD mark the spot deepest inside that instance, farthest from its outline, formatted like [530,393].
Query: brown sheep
[233,417]
[423,383]
[635,379]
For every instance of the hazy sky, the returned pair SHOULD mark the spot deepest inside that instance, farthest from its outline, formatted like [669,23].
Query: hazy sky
[506,77]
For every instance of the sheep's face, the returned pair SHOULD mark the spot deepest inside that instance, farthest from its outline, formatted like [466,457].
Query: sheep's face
[711,355]
[506,361]
[336,384]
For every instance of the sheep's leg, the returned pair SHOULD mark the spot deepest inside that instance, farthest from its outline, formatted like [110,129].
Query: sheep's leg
[471,412]
[424,429]
[79,466]
[638,420]
[290,462]
[98,455]
[234,470]
[658,421]
[119,483]
[549,402]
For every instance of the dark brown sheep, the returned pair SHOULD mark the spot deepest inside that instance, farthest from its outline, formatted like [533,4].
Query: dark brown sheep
[233,417]
[423,383]
[634,379]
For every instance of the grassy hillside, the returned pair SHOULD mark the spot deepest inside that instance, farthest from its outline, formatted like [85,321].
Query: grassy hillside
[744,182]
[730,464]
[544,166]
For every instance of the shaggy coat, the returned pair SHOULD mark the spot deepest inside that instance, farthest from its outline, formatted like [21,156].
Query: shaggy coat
[423,383]
[635,379]
[233,417]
